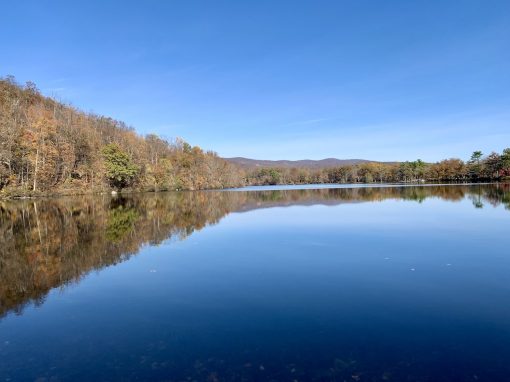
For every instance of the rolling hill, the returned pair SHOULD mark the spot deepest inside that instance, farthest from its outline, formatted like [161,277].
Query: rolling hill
[305,163]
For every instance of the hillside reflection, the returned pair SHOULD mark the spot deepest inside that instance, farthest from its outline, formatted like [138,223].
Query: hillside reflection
[46,244]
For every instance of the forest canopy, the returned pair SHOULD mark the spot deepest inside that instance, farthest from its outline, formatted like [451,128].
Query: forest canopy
[493,167]
[47,147]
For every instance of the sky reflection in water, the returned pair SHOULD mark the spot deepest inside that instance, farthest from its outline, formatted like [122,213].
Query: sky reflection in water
[368,284]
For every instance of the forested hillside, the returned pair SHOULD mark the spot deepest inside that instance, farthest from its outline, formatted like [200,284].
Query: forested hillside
[49,147]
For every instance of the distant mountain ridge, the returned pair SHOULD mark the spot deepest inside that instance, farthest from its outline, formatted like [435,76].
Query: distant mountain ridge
[304,163]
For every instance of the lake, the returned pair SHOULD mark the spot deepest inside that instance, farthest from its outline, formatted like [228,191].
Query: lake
[386,283]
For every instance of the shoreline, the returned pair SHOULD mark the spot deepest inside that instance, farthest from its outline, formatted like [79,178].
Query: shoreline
[248,188]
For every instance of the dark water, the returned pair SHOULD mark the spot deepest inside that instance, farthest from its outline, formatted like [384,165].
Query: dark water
[367,284]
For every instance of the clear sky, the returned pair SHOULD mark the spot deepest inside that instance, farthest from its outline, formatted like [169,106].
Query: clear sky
[380,80]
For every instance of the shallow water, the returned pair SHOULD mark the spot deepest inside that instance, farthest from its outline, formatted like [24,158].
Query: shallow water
[348,284]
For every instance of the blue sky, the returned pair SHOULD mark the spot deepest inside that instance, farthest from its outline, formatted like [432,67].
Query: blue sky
[381,80]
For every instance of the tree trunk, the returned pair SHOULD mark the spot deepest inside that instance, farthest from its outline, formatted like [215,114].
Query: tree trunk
[35,168]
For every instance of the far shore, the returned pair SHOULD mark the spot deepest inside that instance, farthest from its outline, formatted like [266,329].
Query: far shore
[267,187]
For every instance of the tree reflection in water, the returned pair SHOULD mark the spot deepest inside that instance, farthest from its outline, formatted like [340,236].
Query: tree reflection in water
[50,243]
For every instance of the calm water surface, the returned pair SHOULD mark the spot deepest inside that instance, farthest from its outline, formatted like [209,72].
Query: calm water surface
[348,284]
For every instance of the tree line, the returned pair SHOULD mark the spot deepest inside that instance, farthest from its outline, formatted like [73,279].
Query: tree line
[493,167]
[47,147]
